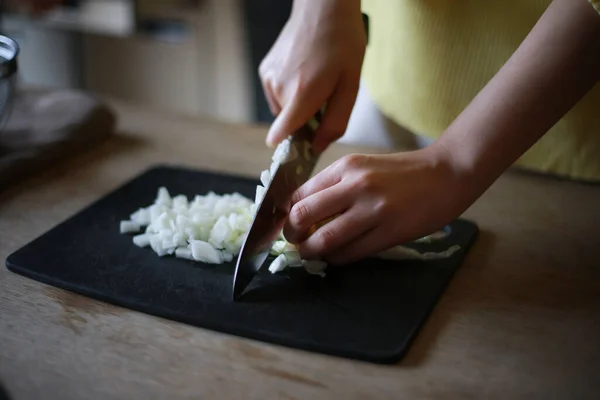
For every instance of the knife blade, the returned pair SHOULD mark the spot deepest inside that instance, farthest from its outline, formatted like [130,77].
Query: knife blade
[275,205]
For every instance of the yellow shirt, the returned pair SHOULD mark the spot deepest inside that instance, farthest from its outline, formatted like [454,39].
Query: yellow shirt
[427,59]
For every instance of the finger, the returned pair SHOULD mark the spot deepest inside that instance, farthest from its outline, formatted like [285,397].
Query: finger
[303,106]
[366,245]
[334,235]
[314,209]
[338,111]
[330,176]
[270,96]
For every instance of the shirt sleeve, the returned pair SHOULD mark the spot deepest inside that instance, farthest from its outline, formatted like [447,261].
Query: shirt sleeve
[596,5]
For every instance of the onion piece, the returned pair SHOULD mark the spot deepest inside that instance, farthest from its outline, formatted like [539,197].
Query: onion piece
[227,257]
[157,245]
[285,152]
[142,240]
[439,235]
[265,178]
[273,169]
[163,198]
[282,152]
[180,203]
[293,258]
[281,246]
[260,193]
[405,253]
[254,208]
[278,264]
[128,227]
[212,229]
[204,252]
[156,210]
[184,252]
[141,216]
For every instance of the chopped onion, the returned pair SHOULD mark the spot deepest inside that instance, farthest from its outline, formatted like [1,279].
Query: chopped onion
[157,245]
[129,227]
[260,193]
[227,257]
[285,152]
[212,228]
[155,211]
[281,246]
[163,198]
[265,177]
[282,152]
[293,258]
[142,240]
[180,203]
[184,252]
[204,252]
[439,235]
[273,169]
[141,216]
[219,232]
[405,253]
[279,264]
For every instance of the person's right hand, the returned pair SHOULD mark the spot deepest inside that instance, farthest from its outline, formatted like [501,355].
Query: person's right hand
[316,59]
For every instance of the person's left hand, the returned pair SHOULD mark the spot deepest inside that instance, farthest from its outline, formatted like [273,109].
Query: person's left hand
[378,201]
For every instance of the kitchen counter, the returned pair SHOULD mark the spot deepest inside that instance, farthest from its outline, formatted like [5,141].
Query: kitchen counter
[520,319]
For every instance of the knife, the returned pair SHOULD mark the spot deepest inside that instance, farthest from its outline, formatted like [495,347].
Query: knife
[273,210]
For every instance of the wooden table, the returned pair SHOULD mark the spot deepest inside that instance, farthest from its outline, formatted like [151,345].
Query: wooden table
[521,318]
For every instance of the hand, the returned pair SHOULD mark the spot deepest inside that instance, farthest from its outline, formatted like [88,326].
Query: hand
[380,200]
[316,59]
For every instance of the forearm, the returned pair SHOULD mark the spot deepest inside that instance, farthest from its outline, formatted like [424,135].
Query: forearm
[550,72]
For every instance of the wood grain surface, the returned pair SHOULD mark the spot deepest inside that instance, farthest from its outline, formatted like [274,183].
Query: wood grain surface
[521,318]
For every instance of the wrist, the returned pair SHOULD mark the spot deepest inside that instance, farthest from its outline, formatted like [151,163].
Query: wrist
[461,177]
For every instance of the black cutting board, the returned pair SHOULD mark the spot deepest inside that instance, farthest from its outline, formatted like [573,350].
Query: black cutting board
[368,311]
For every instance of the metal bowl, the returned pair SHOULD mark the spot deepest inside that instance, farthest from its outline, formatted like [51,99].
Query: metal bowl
[9,52]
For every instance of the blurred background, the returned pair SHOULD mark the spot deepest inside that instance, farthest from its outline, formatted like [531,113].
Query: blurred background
[191,57]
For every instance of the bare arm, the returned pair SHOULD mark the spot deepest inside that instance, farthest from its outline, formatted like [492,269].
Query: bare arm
[555,66]
[383,200]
